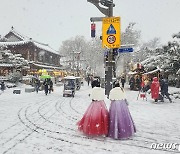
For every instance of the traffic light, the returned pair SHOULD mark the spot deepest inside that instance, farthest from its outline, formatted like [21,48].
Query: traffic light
[93,30]
[115,51]
[106,56]
[114,54]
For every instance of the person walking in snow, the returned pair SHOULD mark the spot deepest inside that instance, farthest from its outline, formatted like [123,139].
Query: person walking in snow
[2,86]
[88,79]
[45,83]
[50,85]
[123,81]
[138,83]
[121,125]
[95,83]
[164,89]
[155,86]
[37,85]
[95,120]
[132,83]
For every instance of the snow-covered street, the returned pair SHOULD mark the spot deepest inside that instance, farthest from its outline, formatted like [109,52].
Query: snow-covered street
[37,124]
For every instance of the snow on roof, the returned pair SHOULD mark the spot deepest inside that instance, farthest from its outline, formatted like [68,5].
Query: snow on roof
[46,66]
[39,45]
[45,47]
[13,43]
[6,65]
[27,40]
[23,37]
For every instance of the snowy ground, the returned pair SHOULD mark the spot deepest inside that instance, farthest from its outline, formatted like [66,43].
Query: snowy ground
[37,124]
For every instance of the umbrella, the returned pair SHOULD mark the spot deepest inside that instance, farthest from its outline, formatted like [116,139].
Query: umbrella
[45,76]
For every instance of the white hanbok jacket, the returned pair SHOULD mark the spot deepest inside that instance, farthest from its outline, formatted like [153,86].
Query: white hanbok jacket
[97,94]
[117,94]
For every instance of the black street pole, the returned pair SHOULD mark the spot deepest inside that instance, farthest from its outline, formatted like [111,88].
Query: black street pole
[109,71]
[109,66]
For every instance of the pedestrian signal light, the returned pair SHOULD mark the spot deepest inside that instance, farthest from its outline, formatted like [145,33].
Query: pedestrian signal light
[93,30]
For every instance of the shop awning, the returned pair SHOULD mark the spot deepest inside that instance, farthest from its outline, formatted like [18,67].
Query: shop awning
[50,68]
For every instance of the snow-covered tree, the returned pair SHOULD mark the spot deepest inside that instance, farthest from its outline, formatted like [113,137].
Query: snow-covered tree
[87,54]
[95,56]
[15,59]
[130,36]
[173,50]
[166,58]
[14,77]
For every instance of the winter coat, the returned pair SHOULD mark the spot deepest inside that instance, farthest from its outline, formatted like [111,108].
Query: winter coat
[37,83]
[2,86]
[123,80]
[164,86]
[132,81]
[45,83]
[95,83]
[97,94]
[50,83]
[138,83]
[155,88]
[117,94]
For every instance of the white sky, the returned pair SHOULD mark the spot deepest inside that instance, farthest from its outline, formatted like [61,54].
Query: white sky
[53,21]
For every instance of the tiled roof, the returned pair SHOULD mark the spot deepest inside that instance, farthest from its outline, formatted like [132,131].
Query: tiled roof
[13,43]
[27,40]
[45,47]
[23,37]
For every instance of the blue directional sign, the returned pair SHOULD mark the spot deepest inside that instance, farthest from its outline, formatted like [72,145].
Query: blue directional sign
[125,49]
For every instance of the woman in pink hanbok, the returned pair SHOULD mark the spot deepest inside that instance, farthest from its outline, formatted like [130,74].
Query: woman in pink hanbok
[95,120]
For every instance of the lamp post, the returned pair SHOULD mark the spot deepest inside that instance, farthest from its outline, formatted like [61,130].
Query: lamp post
[108,11]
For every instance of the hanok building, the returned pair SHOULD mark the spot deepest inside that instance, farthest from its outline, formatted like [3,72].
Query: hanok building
[39,55]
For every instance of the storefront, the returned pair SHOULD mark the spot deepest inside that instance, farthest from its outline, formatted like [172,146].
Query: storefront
[5,69]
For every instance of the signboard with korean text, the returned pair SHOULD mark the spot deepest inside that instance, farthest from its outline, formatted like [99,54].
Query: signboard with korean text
[111,32]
